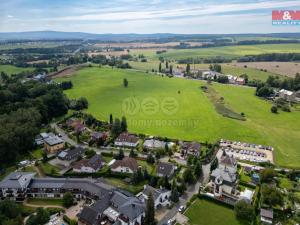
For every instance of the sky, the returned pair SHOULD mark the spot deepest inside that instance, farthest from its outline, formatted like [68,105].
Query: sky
[147,16]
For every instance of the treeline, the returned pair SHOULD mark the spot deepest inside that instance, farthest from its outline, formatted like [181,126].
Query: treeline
[266,89]
[24,107]
[217,59]
[269,57]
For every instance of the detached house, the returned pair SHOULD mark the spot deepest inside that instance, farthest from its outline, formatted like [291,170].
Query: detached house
[127,140]
[126,165]
[165,169]
[190,148]
[91,165]
[71,154]
[287,95]
[53,144]
[160,196]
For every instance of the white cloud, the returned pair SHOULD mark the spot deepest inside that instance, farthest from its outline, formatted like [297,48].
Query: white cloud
[10,16]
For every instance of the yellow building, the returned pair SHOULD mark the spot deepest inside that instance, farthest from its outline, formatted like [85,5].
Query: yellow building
[53,144]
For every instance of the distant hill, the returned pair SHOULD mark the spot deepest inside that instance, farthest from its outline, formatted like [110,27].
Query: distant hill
[57,35]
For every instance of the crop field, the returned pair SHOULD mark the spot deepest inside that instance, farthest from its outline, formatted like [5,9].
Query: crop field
[178,108]
[230,51]
[282,68]
[9,69]
[203,212]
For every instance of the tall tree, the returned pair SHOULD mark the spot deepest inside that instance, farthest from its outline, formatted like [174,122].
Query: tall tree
[188,68]
[125,82]
[159,68]
[68,199]
[116,128]
[123,124]
[171,69]
[167,64]
[150,212]
[111,120]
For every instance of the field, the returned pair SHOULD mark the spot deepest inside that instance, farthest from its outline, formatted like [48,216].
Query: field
[282,68]
[203,212]
[227,51]
[178,108]
[9,69]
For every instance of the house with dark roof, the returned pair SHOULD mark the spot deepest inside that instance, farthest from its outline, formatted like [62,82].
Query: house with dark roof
[126,165]
[165,169]
[76,125]
[190,148]
[160,196]
[71,154]
[91,165]
[126,139]
[98,136]
[224,179]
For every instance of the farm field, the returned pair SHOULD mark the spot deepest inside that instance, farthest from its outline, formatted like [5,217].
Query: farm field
[9,69]
[282,68]
[192,116]
[203,212]
[230,51]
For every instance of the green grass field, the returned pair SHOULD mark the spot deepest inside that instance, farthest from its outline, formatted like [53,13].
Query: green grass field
[9,69]
[178,108]
[227,51]
[203,212]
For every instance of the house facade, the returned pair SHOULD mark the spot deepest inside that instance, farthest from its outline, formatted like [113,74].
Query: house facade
[91,165]
[160,196]
[287,95]
[53,144]
[165,169]
[71,154]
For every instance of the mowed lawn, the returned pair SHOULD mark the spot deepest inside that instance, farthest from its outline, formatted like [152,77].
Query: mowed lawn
[230,51]
[204,212]
[194,117]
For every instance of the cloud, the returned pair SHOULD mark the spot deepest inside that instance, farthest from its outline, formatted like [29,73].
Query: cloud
[10,16]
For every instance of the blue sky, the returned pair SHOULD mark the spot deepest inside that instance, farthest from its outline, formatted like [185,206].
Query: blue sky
[151,16]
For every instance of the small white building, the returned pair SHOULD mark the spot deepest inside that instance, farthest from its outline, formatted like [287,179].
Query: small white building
[287,95]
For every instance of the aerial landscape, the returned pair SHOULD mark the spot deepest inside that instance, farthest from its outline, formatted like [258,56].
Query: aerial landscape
[146,113]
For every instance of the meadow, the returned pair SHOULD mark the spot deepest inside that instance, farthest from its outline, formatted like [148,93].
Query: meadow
[9,69]
[203,212]
[178,108]
[226,51]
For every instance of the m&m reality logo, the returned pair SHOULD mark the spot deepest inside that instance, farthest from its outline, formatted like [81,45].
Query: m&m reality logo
[286,17]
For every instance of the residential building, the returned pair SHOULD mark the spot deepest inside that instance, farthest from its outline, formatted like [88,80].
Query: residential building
[76,125]
[266,216]
[127,140]
[152,144]
[126,165]
[71,154]
[20,185]
[160,196]
[98,136]
[236,80]
[246,195]
[165,169]
[224,179]
[287,95]
[15,185]
[190,148]
[53,144]
[91,165]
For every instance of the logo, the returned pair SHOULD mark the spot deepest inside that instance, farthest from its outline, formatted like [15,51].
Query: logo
[130,106]
[286,17]
[169,105]
[150,106]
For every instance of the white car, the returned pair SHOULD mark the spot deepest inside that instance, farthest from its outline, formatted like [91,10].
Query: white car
[181,209]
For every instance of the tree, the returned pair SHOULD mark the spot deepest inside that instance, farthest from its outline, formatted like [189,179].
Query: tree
[111,120]
[188,176]
[150,159]
[125,82]
[120,155]
[244,211]
[188,68]
[171,69]
[116,128]
[42,217]
[123,124]
[150,211]
[159,68]
[45,156]
[132,154]
[166,183]
[274,109]
[174,195]
[271,196]
[68,199]
[198,169]
[267,175]
[167,64]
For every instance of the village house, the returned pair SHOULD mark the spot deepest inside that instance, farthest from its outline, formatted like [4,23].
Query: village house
[98,136]
[190,148]
[127,140]
[235,80]
[53,144]
[165,169]
[76,125]
[152,144]
[266,216]
[91,165]
[71,154]
[160,196]
[287,95]
[126,165]
[224,179]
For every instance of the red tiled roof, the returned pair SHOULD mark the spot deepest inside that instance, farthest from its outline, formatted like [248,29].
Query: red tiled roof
[126,162]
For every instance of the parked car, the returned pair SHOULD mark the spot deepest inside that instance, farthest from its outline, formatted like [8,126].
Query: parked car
[181,209]
[171,221]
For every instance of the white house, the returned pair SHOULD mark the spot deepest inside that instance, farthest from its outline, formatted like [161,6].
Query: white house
[160,196]
[287,95]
